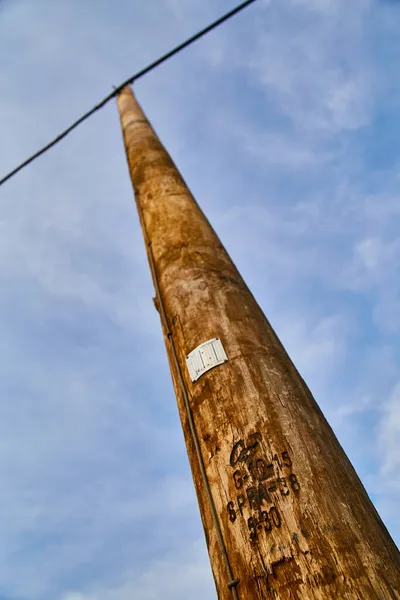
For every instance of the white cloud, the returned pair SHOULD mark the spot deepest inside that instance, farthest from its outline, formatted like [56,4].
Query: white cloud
[286,151]
[390,434]
[176,576]
[314,68]
[262,117]
[315,344]
[374,257]
[351,409]
[369,251]
[322,6]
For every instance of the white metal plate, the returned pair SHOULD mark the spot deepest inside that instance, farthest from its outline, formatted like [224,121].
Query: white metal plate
[205,357]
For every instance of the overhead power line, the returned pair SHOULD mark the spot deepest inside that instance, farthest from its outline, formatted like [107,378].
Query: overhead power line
[128,81]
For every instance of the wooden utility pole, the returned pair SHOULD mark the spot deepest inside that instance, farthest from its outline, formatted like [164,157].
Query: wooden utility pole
[285,515]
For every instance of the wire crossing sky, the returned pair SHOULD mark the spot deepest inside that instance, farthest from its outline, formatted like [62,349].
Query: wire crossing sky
[128,81]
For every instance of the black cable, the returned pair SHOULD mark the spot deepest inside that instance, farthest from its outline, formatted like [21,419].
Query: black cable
[129,81]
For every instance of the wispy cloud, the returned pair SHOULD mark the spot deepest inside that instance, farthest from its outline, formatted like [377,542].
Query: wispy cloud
[390,433]
[179,575]
[278,124]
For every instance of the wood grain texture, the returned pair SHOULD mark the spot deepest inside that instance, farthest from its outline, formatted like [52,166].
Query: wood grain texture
[296,520]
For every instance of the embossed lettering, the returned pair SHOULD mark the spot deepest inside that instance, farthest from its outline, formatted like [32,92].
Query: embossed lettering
[252,496]
[231,511]
[263,494]
[241,500]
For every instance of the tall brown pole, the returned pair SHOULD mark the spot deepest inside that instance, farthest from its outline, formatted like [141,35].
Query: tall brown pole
[285,515]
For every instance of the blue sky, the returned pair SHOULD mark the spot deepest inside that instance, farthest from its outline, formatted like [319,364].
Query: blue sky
[285,125]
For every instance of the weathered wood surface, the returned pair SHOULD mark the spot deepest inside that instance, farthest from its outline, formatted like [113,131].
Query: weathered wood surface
[296,520]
